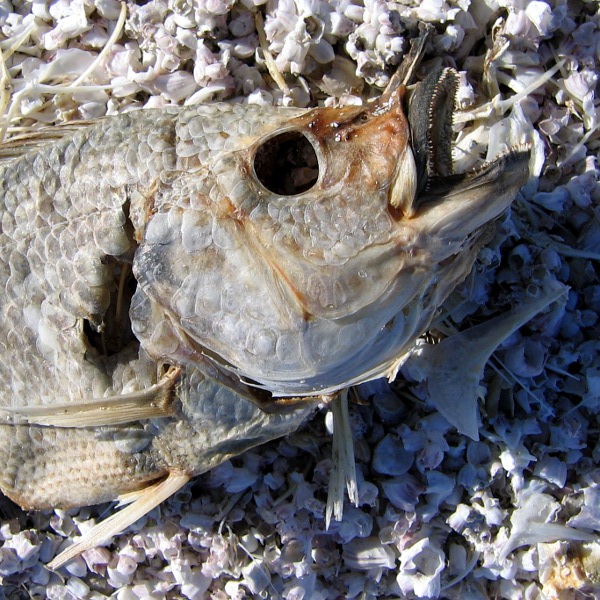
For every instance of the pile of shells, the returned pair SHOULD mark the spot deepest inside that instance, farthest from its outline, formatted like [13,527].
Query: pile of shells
[513,515]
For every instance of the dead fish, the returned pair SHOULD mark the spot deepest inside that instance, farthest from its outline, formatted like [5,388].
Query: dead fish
[168,274]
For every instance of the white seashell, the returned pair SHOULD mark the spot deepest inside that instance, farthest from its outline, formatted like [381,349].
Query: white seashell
[211,92]
[184,22]
[77,587]
[338,25]
[62,523]
[439,483]
[589,515]
[581,191]
[176,86]
[420,567]
[186,37]
[367,493]
[96,558]
[517,23]
[465,95]
[451,39]
[242,25]
[242,48]
[354,13]
[122,573]
[294,50]
[440,488]
[193,582]
[77,567]
[109,9]
[66,64]
[514,130]
[69,27]
[540,14]
[322,52]
[256,577]
[478,453]
[580,84]
[491,511]
[554,201]
[9,562]
[526,359]
[207,67]
[25,545]
[551,469]
[403,492]
[368,553]
[390,457]
[260,97]
[584,34]
[92,110]
[356,524]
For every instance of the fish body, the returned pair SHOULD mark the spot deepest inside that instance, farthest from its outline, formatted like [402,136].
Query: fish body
[167,273]
[74,213]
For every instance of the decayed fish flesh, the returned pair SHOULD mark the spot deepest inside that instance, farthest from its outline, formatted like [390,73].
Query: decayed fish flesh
[168,276]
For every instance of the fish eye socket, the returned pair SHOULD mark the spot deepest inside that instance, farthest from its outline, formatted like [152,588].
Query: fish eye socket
[287,164]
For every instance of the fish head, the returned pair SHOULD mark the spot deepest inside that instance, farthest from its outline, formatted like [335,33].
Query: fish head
[335,235]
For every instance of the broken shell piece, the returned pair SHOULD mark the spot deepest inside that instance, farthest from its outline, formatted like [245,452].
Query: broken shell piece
[420,568]
[567,567]
[390,457]
[369,553]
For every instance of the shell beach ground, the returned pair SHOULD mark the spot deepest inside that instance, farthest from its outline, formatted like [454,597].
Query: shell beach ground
[514,514]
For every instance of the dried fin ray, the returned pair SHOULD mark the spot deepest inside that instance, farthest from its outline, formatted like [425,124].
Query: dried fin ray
[150,498]
[115,410]
[21,144]
[344,466]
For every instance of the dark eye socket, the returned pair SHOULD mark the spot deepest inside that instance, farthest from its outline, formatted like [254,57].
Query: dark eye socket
[287,164]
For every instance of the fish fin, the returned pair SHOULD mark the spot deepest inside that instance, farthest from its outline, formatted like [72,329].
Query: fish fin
[453,369]
[19,145]
[411,61]
[148,499]
[343,471]
[129,497]
[154,402]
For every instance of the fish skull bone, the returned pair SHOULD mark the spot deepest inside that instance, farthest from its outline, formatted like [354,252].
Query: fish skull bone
[304,288]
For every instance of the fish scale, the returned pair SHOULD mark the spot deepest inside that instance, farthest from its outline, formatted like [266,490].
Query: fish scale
[64,214]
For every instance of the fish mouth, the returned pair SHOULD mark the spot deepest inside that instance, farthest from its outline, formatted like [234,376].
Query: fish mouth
[425,188]
[458,205]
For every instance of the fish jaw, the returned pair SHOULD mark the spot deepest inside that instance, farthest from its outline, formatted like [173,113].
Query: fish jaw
[450,208]
[454,209]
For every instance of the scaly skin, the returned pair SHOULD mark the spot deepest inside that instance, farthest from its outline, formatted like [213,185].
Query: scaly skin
[302,294]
